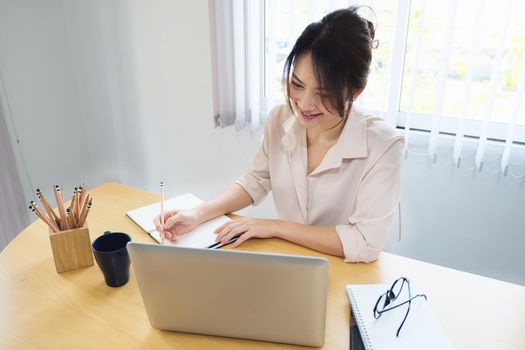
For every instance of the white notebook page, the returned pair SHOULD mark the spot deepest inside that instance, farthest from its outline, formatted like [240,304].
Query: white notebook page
[201,237]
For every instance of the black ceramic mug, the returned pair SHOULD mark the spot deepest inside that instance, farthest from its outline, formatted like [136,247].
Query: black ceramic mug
[112,257]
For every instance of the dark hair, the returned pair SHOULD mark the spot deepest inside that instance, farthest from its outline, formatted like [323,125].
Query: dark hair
[341,48]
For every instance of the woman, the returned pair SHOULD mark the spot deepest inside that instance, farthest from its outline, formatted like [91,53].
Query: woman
[334,173]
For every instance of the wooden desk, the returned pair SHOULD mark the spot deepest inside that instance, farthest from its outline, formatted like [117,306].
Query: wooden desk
[40,309]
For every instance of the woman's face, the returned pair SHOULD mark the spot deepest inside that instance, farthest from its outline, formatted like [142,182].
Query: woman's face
[305,96]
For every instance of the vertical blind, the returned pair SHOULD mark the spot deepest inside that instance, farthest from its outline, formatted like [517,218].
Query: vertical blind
[453,72]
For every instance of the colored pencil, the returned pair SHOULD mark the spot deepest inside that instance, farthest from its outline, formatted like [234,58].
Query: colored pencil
[48,221]
[84,207]
[61,208]
[83,218]
[83,198]
[69,218]
[44,218]
[73,202]
[77,202]
[50,212]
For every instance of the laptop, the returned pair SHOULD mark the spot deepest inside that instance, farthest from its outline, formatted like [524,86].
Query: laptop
[260,296]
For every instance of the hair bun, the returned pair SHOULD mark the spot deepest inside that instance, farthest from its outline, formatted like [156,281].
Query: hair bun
[366,13]
[372,29]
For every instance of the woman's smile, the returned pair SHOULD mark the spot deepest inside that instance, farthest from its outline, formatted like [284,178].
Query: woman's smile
[311,116]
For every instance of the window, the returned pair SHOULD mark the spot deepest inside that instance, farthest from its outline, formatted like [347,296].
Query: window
[453,68]
[464,60]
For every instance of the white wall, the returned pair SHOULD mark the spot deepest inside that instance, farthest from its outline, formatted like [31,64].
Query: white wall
[116,91]
[61,123]
[163,68]
[461,218]
[121,91]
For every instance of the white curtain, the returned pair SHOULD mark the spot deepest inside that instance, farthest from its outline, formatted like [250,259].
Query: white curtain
[13,212]
[237,54]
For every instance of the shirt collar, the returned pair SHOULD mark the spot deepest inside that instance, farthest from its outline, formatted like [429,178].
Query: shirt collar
[352,142]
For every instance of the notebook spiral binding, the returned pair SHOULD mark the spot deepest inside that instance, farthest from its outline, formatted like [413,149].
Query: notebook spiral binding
[360,323]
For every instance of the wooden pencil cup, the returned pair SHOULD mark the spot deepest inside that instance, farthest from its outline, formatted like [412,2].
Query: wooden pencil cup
[71,249]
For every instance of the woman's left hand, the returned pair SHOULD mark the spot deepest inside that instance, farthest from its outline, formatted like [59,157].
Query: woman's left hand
[246,228]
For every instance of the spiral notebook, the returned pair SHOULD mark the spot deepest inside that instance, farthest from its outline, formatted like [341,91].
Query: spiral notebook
[420,331]
[200,237]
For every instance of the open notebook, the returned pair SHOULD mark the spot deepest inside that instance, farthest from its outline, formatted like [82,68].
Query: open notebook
[420,331]
[201,237]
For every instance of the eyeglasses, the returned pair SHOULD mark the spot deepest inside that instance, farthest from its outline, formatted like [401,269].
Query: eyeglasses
[387,298]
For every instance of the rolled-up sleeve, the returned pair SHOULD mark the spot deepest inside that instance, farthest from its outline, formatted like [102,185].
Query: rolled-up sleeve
[256,180]
[366,233]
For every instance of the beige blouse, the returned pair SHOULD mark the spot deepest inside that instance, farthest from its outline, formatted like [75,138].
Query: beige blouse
[355,187]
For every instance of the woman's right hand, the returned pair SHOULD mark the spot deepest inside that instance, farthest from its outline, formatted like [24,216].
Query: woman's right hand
[177,222]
